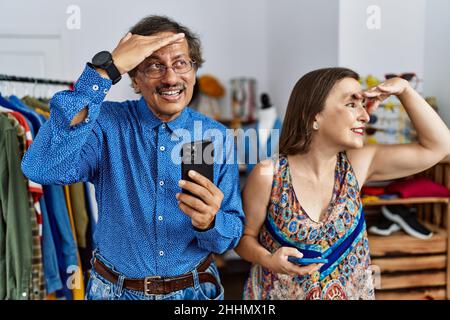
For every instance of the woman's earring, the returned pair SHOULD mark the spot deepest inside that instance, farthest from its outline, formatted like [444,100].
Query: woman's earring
[316,126]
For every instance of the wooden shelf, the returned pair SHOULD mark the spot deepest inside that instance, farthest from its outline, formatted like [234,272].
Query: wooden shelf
[399,243]
[422,200]
[435,262]
[413,280]
[426,294]
[409,268]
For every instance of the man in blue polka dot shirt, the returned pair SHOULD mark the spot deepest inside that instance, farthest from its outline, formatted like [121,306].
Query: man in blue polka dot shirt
[153,242]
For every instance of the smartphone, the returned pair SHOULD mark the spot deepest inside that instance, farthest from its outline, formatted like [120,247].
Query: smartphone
[306,261]
[197,156]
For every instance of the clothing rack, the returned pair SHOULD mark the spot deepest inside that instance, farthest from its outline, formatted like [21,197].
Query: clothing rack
[4,77]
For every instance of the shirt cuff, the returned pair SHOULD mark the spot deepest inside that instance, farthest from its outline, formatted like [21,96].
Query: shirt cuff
[219,231]
[89,91]
[211,225]
[93,85]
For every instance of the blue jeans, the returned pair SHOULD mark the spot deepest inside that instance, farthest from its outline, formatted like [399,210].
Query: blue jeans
[99,288]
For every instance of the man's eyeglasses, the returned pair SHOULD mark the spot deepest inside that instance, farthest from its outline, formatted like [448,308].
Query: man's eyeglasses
[157,70]
[408,76]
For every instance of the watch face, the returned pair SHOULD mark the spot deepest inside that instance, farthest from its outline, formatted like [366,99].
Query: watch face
[102,59]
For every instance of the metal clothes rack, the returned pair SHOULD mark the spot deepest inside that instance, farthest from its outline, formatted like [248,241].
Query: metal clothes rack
[4,77]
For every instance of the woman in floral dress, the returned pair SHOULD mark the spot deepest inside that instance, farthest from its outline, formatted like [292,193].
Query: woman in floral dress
[305,202]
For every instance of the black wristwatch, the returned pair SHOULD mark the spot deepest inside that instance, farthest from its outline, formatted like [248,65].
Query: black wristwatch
[104,60]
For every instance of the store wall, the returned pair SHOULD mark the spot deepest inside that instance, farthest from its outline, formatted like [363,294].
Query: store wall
[233,32]
[274,41]
[412,37]
[437,53]
[396,44]
[302,36]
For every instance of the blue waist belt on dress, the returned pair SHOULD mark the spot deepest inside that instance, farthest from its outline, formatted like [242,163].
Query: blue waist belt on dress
[335,254]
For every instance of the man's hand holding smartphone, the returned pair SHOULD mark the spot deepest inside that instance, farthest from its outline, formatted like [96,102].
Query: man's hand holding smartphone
[203,208]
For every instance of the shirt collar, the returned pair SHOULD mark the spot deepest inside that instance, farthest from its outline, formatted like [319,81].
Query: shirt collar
[181,121]
[152,121]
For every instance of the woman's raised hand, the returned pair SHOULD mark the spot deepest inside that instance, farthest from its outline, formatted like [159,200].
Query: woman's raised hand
[377,94]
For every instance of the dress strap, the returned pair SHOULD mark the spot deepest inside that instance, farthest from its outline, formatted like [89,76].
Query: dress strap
[279,166]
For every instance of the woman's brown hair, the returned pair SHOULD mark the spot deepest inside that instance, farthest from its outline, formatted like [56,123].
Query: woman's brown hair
[306,101]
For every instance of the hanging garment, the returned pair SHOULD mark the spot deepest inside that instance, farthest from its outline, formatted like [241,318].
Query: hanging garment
[15,227]
[92,209]
[34,188]
[37,283]
[38,106]
[53,281]
[79,210]
[77,277]
[37,119]
[17,105]
[64,241]
[49,257]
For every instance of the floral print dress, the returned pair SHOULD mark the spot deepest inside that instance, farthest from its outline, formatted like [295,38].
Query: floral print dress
[341,238]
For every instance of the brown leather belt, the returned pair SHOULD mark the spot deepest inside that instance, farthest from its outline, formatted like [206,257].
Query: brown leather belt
[159,285]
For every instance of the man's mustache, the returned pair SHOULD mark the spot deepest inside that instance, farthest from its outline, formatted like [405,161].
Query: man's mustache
[178,86]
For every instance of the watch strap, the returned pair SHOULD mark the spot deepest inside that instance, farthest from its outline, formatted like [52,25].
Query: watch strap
[113,73]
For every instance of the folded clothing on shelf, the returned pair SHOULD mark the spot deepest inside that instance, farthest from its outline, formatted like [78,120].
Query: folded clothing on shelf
[418,187]
[372,191]
[367,199]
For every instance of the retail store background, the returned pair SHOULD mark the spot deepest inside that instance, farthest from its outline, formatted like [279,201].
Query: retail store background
[274,42]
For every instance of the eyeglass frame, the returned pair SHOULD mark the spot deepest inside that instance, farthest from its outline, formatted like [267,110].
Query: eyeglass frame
[414,78]
[191,62]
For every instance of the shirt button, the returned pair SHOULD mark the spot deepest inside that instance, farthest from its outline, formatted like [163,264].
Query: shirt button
[86,120]
[95,87]
[163,125]
[162,148]
[161,253]
[160,218]
[105,91]
[161,183]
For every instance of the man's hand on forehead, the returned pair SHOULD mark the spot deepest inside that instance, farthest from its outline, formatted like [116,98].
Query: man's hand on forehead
[133,49]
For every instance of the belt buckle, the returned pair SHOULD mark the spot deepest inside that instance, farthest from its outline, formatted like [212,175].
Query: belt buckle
[147,281]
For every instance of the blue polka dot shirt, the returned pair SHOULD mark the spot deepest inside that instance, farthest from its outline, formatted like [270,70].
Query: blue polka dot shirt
[128,154]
